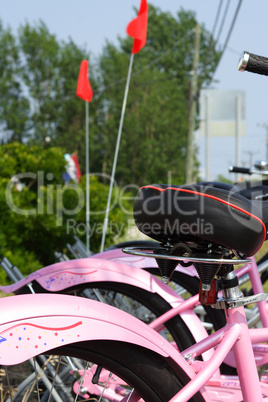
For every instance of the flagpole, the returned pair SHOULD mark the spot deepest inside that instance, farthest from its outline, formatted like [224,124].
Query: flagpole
[85,92]
[105,224]
[87,183]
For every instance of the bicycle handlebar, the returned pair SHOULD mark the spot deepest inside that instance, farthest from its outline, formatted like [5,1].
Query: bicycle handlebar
[260,167]
[238,169]
[253,63]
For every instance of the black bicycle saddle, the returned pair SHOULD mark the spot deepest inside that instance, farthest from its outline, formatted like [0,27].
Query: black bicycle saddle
[200,212]
[253,190]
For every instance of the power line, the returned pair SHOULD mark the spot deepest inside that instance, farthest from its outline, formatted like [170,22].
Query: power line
[223,20]
[217,17]
[229,32]
[234,51]
[122,80]
[232,25]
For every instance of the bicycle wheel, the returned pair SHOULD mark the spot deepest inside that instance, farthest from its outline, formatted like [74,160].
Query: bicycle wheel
[129,366]
[138,302]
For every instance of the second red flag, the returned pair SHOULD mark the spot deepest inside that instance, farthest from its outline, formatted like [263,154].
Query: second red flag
[137,28]
[84,90]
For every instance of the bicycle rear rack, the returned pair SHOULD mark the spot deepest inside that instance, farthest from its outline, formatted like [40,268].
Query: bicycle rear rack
[144,252]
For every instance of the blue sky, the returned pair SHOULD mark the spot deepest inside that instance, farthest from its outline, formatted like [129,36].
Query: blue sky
[91,22]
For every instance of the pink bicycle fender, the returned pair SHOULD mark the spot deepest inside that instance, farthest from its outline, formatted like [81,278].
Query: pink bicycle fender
[45,321]
[66,274]
[63,275]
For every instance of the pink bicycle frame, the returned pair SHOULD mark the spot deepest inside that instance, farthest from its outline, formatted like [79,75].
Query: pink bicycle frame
[251,269]
[236,336]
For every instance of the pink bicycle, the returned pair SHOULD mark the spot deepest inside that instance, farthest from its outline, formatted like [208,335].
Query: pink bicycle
[72,274]
[131,285]
[136,354]
[131,360]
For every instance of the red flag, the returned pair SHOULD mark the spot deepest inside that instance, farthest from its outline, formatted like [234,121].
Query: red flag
[137,28]
[84,90]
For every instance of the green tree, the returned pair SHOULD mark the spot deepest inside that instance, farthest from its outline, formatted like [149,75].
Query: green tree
[37,89]
[154,134]
[14,104]
[50,72]
[38,84]
[28,229]
[39,214]
[119,215]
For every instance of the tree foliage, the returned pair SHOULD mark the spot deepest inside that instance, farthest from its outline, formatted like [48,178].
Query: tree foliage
[14,105]
[40,214]
[38,83]
[153,144]
[41,119]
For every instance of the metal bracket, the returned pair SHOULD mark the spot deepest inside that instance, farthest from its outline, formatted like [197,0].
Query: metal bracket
[224,304]
[148,252]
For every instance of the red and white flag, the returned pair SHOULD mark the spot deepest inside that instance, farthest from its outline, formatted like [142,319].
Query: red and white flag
[77,167]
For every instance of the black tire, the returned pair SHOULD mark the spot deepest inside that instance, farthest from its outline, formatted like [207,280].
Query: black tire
[264,275]
[156,379]
[154,304]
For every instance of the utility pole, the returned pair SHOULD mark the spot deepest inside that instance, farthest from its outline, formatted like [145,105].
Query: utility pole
[207,135]
[265,125]
[238,132]
[193,95]
[250,157]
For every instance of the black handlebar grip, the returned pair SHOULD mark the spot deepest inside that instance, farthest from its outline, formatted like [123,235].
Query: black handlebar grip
[237,169]
[253,63]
